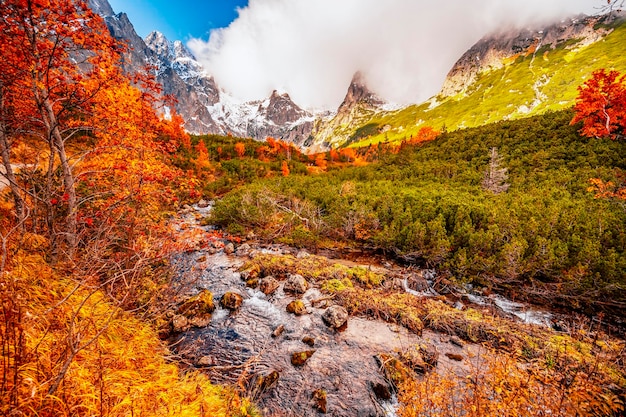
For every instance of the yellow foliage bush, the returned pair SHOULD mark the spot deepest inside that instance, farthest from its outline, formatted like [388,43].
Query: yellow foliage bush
[67,351]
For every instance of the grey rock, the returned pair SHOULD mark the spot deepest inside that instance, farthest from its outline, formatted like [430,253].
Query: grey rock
[296,284]
[335,316]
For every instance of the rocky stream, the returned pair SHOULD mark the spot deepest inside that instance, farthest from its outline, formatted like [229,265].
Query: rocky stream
[301,359]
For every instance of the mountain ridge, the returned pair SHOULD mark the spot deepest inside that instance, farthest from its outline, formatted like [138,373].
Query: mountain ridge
[363,117]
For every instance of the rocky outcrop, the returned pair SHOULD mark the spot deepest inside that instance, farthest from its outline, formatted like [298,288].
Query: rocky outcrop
[494,51]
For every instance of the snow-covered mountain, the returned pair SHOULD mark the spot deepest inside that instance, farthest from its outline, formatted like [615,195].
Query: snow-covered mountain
[205,108]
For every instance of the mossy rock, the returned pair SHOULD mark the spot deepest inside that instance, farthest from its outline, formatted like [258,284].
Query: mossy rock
[300,358]
[231,301]
[296,307]
[251,272]
[199,306]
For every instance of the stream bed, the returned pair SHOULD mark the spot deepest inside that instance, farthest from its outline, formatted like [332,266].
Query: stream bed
[252,346]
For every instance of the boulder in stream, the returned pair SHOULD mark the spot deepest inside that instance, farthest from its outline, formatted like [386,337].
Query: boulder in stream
[300,358]
[335,317]
[231,300]
[180,323]
[243,250]
[308,340]
[268,285]
[296,307]
[196,310]
[229,248]
[296,284]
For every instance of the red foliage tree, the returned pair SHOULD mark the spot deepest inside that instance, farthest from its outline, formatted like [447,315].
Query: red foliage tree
[601,105]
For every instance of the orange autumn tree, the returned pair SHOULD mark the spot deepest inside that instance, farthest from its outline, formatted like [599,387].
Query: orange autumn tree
[240,149]
[57,54]
[601,105]
[284,169]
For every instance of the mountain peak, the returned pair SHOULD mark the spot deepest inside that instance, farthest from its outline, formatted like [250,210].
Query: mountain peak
[358,92]
[101,7]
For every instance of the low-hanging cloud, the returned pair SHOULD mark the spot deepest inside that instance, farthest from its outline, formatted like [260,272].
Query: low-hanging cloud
[312,48]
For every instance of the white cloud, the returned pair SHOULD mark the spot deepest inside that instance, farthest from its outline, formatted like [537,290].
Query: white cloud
[312,48]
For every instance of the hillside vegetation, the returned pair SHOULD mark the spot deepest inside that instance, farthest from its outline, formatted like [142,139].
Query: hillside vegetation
[534,83]
[547,237]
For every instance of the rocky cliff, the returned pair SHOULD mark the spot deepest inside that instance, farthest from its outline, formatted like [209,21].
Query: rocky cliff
[496,50]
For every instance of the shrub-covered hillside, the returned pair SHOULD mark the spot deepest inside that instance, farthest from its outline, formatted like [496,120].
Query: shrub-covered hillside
[546,234]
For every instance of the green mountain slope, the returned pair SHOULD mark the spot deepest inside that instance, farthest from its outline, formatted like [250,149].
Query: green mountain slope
[532,84]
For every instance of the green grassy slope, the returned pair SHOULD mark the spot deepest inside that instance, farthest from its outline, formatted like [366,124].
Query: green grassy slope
[534,84]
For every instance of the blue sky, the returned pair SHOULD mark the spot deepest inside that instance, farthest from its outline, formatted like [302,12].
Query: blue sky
[180,19]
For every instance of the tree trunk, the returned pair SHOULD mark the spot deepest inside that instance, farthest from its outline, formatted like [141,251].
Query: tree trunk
[57,143]
[5,151]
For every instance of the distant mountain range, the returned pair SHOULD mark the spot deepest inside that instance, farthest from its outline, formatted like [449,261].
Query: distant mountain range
[505,75]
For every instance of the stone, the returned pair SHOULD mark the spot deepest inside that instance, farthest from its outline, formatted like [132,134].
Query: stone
[263,382]
[302,254]
[319,400]
[381,391]
[268,285]
[201,259]
[203,203]
[231,301]
[200,321]
[296,284]
[456,341]
[414,360]
[229,248]
[296,307]
[243,250]
[198,309]
[252,272]
[278,331]
[300,358]
[252,283]
[308,340]
[206,361]
[179,323]
[455,356]
[335,317]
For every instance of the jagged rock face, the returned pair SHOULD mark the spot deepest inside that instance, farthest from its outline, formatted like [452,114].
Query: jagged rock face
[199,101]
[493,51]
[191,92]
[182,77]
[359,105]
